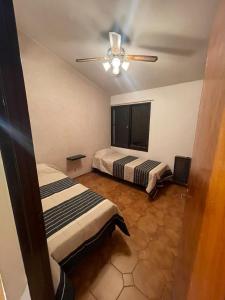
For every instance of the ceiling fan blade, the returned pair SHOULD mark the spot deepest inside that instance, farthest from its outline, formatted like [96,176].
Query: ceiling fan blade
[115,42]
[116,27]
[145,58]
[169,50]
[173,44]
[91,59]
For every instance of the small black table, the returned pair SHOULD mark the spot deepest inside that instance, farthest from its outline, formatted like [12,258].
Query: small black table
[75,157]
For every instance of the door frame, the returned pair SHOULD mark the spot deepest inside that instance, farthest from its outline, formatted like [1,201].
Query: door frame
[19,160]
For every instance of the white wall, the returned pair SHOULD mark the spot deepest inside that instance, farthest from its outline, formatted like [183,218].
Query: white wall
[11,263]
[173,119]
[69,114]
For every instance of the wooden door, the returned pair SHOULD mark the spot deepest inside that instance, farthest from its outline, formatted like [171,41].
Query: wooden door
[19,162]
[201,272]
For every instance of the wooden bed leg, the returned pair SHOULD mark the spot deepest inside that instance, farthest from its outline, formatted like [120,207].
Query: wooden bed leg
[151,198]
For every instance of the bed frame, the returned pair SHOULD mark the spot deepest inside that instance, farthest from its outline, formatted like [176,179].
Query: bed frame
[166,179]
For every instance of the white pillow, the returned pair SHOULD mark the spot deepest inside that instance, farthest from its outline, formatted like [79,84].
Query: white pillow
[103,152]
[41,167]
[46,168]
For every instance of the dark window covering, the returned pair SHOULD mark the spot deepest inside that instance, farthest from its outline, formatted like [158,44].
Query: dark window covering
[130,126]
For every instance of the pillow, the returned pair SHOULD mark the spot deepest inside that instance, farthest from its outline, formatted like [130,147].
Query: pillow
[45,168]
[103,152]
[41,167]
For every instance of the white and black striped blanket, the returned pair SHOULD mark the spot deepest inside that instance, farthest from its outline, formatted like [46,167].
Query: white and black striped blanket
[75,217]
[56,187]
[141,171]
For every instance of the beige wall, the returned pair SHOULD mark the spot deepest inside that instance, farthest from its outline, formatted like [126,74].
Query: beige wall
[69,114]
[173,120]
[11,264]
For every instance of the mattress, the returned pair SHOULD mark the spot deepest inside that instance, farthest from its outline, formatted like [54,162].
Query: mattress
[142,171]
[74,216]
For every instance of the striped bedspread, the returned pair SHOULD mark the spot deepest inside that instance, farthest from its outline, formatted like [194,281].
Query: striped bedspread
[60,215]
[56,187]
[141,171]
[119,164]
[74,218]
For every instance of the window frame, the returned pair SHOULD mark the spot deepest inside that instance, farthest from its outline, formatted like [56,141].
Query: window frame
[132,147]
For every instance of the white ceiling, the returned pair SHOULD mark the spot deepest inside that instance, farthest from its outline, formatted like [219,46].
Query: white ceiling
[73,29]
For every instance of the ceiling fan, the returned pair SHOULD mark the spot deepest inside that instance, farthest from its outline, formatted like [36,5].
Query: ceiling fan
[117,57]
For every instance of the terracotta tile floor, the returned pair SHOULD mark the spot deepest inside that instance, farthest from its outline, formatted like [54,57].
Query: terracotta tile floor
[141,266]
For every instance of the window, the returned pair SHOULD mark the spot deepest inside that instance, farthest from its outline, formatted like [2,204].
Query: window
[130,126]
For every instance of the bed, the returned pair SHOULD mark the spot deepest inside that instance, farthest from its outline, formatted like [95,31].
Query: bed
[144,172]
[75,219]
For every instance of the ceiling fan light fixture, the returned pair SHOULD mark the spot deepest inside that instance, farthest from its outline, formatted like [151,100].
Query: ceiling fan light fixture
[116,71]
[116,62]
[116,57]
[106,66]
[125,65]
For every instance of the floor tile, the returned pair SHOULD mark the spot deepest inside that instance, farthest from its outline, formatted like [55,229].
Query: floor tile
[86,296]
[148,224]
[124,263]
[131,293]
[138,238]
[150,279]
[141,266]
[128,279]
[108,284]
[167,293]
[159,253]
